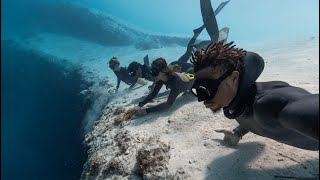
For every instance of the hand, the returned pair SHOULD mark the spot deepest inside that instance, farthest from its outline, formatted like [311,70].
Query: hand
[131,112]
[140,104]
[229,136]
[141,112]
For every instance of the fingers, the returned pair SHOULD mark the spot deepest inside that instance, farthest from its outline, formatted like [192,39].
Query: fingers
[222,131]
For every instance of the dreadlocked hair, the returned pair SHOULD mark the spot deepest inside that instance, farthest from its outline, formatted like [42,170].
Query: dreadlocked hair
[219,54]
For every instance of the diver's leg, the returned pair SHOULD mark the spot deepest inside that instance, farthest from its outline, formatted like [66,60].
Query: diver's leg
[185,57]
[146,61]
[198,30]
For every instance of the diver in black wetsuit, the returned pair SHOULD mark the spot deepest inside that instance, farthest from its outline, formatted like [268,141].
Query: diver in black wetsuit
[137,70]
[122,74]
[225,78]
[177,83]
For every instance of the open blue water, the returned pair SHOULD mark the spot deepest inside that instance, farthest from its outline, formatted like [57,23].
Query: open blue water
[42,112]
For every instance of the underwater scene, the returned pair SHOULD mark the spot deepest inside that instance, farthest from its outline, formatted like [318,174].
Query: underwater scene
[162,89]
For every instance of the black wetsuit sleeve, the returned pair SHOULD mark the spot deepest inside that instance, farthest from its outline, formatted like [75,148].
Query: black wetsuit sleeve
[240,131]
[133,83]
[302,116]
[118,84]
[172,97]
[153,94]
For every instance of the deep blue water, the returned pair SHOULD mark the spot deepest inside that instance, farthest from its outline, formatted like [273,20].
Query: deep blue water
[41,114]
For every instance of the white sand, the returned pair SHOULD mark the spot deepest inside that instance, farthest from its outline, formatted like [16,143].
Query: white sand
[196,150]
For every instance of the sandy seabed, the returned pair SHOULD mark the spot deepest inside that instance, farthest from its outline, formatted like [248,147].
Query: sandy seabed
[181,143]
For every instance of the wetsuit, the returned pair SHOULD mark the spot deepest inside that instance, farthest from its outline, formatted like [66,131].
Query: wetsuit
[146,72]
[276,110]
[186,56]
[176,86]
[124,76]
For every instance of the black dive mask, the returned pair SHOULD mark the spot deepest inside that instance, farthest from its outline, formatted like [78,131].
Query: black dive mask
[206,89]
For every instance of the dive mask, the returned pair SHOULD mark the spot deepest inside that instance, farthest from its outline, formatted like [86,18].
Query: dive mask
[206,89]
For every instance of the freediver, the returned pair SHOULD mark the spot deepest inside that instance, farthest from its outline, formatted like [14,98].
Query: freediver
[225,78]
[122,74]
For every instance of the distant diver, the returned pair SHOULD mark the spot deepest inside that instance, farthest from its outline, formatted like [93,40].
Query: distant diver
[138,71]
[122,74]
[210,24]
[225,78]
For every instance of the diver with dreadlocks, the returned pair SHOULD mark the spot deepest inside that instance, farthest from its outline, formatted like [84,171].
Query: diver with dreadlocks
[225,78]
[122,74]
[177,83]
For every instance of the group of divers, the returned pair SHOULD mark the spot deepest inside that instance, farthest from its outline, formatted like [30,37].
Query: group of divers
[223,76]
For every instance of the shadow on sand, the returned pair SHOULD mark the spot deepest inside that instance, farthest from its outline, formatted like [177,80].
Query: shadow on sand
[236,166]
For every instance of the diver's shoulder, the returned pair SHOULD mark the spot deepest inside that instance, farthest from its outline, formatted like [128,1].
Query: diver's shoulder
[278,91]
[250,54]
[272,84]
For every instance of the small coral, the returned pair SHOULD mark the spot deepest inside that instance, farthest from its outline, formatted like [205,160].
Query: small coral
[153,159]
[123,138]
[119,110]
[130,113]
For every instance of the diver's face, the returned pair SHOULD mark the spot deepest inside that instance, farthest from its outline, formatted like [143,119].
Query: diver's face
[225,91]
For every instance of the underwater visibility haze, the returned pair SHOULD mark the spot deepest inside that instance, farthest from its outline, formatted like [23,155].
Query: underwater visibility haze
[54,74]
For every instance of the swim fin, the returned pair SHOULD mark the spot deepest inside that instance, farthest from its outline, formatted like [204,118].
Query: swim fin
[146,61]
